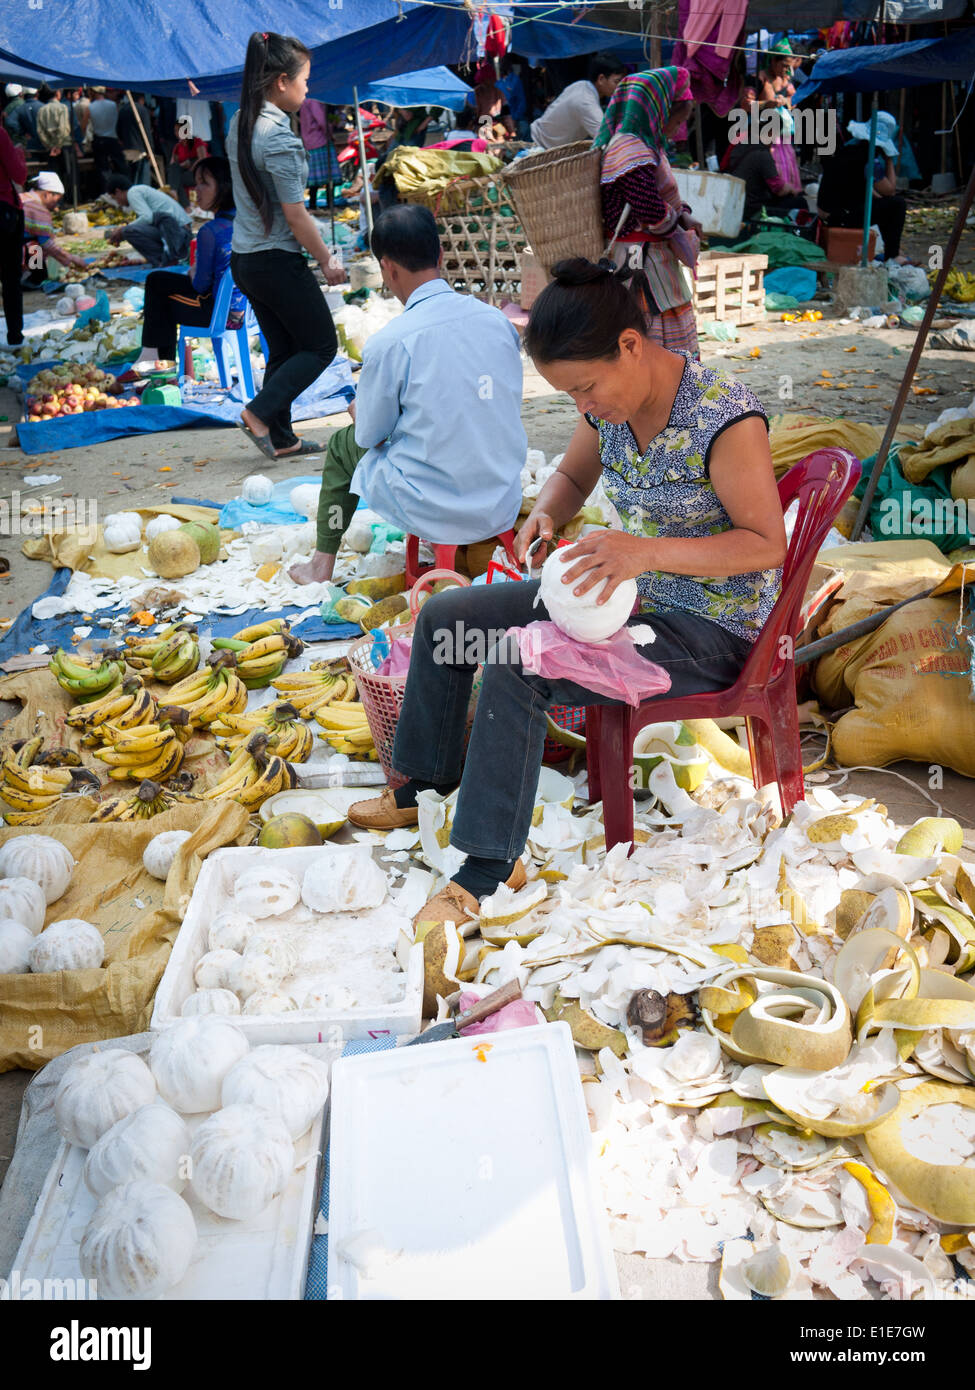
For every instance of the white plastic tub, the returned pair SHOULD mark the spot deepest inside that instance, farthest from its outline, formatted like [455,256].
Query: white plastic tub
[213,893]
[463,1170]
[265,1259]
[716,200]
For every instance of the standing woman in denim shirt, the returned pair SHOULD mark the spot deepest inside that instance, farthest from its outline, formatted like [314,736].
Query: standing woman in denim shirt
[270,171]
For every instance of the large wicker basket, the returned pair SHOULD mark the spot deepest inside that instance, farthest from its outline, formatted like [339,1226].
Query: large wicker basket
[557,199]
[481,237]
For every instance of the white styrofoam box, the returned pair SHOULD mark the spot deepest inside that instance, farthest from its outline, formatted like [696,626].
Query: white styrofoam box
[716,200]
[213,893]
[266,1258]
[489,1137]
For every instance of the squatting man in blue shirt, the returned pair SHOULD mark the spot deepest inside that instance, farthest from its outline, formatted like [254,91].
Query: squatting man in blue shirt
[437,445]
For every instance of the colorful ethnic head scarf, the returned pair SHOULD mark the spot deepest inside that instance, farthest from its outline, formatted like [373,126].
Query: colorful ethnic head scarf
[641,104]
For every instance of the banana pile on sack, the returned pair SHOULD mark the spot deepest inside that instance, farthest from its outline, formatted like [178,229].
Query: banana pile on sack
[125,706]
[153,751]
[253,774]
[87,678]
[32,780]
[169,656]
[262,651]
[148,800]
[287,736]
[328,696]
[211,692]
[959,285]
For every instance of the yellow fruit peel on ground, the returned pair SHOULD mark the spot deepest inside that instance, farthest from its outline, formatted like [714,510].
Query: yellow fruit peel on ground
[945,1191]
[882,1206]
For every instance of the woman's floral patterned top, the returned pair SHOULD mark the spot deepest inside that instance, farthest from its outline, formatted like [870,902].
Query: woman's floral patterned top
[667,492]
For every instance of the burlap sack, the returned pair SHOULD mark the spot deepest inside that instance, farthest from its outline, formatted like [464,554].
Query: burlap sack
[42,1016]
[82,548]
[911,683]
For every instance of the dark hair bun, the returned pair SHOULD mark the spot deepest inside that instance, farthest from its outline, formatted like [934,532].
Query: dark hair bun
[579,271]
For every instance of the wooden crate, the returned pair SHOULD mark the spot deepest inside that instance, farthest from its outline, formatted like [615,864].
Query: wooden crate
[730,288]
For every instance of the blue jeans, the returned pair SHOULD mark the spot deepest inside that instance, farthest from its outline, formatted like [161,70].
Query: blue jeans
[455,630]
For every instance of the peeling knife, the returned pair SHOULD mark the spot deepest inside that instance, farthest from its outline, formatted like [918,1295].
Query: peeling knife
[484,1008]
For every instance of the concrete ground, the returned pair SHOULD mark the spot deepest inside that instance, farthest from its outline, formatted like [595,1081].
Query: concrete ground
[211,463]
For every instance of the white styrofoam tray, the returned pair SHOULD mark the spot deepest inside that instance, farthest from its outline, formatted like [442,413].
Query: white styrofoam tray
[266,1258]
[213,893]
[464,1170]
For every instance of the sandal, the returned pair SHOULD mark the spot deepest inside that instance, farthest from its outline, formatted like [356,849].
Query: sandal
[263,442]
[306,447]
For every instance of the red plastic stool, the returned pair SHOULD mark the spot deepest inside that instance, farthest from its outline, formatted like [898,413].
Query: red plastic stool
[444,556]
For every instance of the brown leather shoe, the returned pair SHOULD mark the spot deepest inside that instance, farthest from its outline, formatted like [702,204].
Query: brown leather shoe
[382,813]
[455,904]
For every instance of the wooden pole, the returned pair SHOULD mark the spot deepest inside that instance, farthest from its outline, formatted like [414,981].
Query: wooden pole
[145,140]
[931,309]
[944,127]
[656,43]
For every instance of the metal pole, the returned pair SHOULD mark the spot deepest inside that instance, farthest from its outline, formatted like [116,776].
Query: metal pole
[930,310]
[145,140]
[367,190]
[868,204]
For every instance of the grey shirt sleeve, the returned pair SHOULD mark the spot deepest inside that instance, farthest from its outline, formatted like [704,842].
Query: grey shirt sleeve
[285,162]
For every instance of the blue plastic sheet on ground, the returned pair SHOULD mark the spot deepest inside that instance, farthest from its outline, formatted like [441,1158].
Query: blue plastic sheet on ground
[27,631]
[277,512]
[137,273]
[795,280]
[316,1284]
[329,395]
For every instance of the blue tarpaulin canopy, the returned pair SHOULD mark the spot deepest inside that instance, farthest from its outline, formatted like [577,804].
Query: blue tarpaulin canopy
[157,50]
[886,66]
[429,87]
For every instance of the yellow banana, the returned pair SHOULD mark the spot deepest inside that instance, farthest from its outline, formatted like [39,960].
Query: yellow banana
[26,817]
[260,630]
[164,765]
[37,779]
[147,741]
[29,801]
[267,784]
[245,770]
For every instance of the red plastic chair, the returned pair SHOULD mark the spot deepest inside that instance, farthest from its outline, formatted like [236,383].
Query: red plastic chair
[765,691]
[444,556]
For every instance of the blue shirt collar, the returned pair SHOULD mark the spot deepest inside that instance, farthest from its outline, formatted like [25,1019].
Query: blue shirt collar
[427,291]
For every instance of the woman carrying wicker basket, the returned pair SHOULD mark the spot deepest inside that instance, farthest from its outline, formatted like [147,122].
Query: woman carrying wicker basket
[659,235]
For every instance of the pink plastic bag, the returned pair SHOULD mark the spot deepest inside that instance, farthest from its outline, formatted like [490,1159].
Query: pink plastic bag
[614,667]
[398,661]
[520,1014]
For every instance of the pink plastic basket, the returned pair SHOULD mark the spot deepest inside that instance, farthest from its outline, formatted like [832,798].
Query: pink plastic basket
[382,699]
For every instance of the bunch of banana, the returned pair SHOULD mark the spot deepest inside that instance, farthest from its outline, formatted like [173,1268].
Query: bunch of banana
[149,800]
[251,776]
[153,751]
[126,706]
[311,691]
[31,782]
[347,729]
[959,285]
[179,656]
[142,651]
[289,738]
[86,678]
[211,692]
[262,652]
